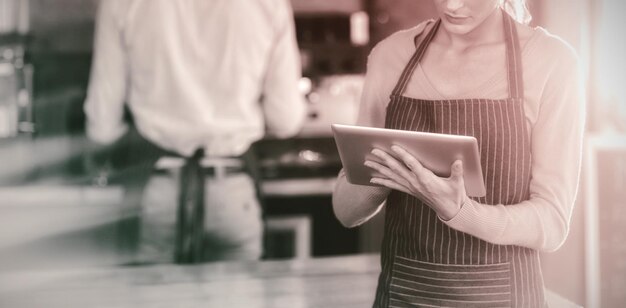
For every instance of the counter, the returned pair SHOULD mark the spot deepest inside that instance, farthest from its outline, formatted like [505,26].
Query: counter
[347,281]
[342,282]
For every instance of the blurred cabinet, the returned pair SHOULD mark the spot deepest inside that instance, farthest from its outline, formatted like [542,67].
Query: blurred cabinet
[62,25]
[298,178]
[326,6]
[333,36]
[389,16]
[327,236]
[287,237]
[61,36]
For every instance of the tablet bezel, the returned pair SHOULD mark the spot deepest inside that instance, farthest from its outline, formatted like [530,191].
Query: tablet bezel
[435,151]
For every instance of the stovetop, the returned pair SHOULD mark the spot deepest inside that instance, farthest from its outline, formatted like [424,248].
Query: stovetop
[298,158]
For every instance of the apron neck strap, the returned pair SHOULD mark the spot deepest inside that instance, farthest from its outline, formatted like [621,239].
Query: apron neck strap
[513,58]
[405,77]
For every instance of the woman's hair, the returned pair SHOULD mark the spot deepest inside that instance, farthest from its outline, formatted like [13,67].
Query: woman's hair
[517,9]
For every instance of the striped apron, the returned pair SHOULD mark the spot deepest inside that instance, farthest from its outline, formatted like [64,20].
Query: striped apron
[424,262]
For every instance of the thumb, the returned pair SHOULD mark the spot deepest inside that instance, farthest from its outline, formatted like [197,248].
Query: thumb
[457,170]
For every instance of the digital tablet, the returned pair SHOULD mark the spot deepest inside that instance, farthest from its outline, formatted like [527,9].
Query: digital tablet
[436,152]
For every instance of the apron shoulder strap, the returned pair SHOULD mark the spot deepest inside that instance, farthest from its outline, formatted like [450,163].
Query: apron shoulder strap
[405,77]
[514,58]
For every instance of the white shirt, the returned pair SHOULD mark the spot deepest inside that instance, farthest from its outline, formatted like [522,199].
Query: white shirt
[217,74]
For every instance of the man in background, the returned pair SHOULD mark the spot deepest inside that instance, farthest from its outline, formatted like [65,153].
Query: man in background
[202,81]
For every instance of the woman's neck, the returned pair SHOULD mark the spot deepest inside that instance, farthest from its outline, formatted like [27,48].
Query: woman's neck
[490,31]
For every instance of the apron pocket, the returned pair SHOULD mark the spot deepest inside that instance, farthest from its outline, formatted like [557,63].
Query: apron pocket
[422,284]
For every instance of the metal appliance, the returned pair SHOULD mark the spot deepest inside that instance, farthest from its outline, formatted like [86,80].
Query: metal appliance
[16,114]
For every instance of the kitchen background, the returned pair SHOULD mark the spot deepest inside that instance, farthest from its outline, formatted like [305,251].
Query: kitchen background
[56,214]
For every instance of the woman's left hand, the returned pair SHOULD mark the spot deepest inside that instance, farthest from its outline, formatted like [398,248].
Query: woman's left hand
[444,195]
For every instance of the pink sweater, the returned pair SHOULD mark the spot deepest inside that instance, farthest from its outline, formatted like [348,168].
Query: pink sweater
[555,111]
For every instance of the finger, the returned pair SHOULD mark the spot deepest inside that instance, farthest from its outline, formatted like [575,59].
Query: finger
[390,184]
[375,173]
[422,174]
[408,159]
[456,173]
[391,180]
[396,166]
[384,170]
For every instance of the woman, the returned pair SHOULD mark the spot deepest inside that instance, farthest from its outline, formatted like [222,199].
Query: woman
[475,71]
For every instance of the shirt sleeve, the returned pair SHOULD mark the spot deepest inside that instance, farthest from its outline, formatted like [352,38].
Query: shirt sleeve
[542,222]
[106,94]
[284,106]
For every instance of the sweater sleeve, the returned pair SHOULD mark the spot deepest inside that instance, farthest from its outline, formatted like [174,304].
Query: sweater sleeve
[355,204]
[542,222]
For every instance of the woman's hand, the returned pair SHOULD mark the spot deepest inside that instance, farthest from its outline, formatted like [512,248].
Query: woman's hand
[444,195]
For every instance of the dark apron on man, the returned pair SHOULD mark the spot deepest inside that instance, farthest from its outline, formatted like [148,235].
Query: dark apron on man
[424,262]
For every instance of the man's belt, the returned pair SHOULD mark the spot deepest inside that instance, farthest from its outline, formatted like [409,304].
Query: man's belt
[210,171]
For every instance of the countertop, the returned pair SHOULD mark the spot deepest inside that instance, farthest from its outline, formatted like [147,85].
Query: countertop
[346,281]
[342,282]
